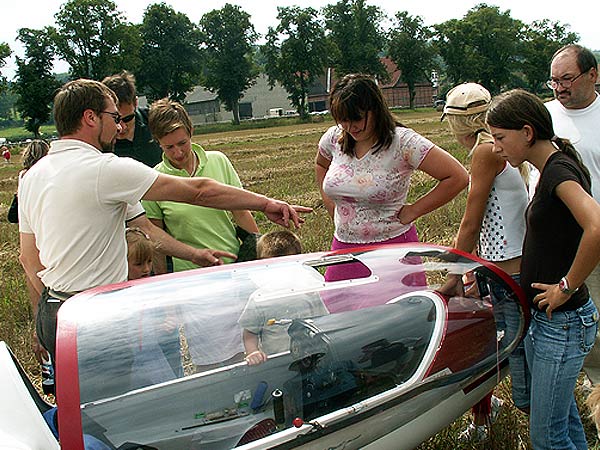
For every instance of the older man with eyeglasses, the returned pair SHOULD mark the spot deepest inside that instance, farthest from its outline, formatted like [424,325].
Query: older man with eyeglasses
[575,115]
[134,139]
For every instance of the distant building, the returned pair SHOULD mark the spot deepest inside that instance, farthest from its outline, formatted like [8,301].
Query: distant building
[395,91]
[258,102]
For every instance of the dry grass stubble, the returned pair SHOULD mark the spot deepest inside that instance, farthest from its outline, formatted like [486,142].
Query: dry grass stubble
[278,162]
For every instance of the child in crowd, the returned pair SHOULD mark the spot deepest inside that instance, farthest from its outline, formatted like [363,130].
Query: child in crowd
[6,154]
[140,251]
[265,322]
[33,152]
[157,355]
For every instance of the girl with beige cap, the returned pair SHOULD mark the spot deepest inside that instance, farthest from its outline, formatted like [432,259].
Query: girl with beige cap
[493,226]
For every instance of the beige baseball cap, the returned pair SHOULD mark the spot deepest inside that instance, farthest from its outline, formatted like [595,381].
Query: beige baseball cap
[465,99]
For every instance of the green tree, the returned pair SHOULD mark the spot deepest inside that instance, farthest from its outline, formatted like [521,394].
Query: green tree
[8,99]
[357,38]
[35,84]
[296,52]
[541,39]
[171,55]
[228,67]
[411,49]
[4,53]
[92,37]
[482,47]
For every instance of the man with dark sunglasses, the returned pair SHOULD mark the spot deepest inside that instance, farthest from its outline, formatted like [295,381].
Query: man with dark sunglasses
[134,140]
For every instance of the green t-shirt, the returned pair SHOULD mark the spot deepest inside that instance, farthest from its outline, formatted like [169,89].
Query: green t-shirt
[198,226]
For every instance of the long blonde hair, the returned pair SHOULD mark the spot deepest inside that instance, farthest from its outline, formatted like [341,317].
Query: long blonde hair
[34,151]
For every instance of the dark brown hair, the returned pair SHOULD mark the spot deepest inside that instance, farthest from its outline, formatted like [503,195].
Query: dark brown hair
[514,109]
[585,58]
[351,98]
[122,84]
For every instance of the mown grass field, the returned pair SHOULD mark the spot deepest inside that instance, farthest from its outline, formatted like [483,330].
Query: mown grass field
[278,162]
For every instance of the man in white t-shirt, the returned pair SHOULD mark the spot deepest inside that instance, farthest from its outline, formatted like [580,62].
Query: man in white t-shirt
[72,208]
[575,115]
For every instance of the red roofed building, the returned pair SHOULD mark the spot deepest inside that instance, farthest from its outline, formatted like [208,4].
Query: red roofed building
[395,91]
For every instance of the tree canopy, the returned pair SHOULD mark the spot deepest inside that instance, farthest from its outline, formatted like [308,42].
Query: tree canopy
[411,50]
[357,38]
[541,39]
[228,37]
[93,38]
[4,53]
[482,47]
[171,54]
[296,53]
[35,84]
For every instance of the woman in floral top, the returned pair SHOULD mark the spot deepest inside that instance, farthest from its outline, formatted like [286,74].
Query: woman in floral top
[363,168]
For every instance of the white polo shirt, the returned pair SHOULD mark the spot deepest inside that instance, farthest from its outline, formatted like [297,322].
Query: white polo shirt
[75,201]
[580,126]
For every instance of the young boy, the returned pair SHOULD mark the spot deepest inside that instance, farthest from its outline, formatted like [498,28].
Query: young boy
[265,322]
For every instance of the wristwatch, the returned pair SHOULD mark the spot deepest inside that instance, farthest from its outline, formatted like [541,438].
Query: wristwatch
[563,285]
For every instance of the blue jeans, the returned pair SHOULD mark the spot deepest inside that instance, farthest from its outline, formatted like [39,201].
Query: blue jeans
[509,317]
[555,352]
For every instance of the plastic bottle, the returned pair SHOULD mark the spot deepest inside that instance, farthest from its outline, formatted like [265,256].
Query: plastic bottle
[48,376]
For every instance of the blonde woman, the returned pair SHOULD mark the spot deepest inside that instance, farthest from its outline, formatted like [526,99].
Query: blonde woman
[493,225]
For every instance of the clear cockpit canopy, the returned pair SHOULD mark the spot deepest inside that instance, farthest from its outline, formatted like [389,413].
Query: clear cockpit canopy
[162,362]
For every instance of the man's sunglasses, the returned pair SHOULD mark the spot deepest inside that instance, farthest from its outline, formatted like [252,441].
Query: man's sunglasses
[128,118]
[118,118]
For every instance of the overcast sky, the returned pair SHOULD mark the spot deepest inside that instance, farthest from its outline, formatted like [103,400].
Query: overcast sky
[40,13]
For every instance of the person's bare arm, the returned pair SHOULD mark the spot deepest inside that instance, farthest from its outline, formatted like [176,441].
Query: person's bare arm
[168,245]
[207,192]
[321,167]
[452,178]
[485,165]
[245,220]
[254,355]
[30,260]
